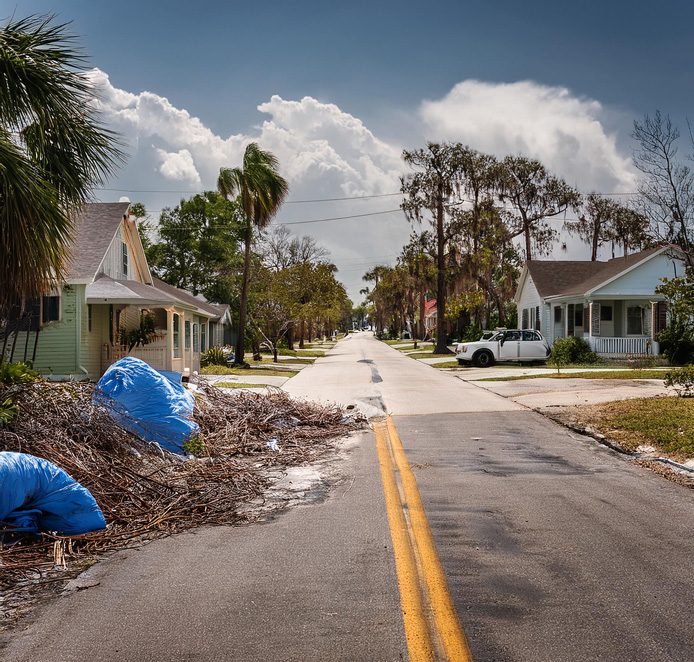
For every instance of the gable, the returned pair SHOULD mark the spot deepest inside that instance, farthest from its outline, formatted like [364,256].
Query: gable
[642,279]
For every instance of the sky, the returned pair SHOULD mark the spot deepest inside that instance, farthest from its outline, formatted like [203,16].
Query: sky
[337,90]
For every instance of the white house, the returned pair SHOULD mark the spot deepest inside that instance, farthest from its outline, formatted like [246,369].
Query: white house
[612,304]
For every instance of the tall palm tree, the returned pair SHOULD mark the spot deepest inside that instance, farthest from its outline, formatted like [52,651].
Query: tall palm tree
[260,190]
[53,151]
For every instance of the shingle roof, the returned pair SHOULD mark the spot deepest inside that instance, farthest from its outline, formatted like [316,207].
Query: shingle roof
[95,226]
[132,292]
[189,298]
[568,277]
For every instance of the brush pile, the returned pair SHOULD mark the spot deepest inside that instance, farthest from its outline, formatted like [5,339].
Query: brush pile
[143,491]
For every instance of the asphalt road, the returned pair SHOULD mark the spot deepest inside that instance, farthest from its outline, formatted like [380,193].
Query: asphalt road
[554,548]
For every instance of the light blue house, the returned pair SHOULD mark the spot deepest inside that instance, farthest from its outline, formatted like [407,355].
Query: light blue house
[612,304]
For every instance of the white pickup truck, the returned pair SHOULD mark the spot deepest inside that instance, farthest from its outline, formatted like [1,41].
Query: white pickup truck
[503,345]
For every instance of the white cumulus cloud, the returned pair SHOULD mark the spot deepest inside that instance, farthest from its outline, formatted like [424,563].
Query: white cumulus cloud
[560,129]
[178,166]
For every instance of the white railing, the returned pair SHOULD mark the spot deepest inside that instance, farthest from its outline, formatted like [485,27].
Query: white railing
[154,355]
[614,347]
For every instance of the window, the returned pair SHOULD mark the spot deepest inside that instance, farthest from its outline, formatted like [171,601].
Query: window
[177,336]
[530,335]
[203,336]
[557,314]
[50,309]
[634,321]
[187,336]
[124,258]
[511,336]
[196,337]
[605,313]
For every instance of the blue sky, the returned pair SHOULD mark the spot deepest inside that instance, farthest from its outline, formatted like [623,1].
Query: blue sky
[378,63]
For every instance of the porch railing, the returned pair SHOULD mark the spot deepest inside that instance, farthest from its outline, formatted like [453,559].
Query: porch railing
[615,347]
[155,356]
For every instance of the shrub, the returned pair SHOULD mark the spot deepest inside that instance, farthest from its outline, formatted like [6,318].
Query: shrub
[8,411]
[682,381]
[572,350]
[677,344]
[17,373]
[213,356]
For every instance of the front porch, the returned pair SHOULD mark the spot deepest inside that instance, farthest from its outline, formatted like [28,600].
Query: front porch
[614,328]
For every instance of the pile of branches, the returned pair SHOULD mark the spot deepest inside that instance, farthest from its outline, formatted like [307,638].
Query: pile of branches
[143,491]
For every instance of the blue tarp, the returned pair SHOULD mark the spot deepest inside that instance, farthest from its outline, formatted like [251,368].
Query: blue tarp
[143,401]
[36,495]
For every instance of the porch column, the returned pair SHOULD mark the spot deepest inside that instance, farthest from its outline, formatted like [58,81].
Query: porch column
[565,306]
[168,359]
[590,324]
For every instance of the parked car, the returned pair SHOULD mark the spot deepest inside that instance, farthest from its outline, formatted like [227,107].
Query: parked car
[506,345]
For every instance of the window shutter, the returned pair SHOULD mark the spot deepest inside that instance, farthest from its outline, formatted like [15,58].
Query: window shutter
[660,317]
[595,319]
[570,319]
[538,321]
[524,322]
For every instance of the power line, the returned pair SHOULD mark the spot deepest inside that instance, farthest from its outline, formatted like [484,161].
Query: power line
[287,202]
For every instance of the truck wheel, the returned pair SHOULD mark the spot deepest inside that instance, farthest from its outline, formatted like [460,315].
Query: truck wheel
[484,359]
[461,362]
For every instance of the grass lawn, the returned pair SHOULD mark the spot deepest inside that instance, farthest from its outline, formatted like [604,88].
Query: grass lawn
[239,385]
[225,370]
[449,364]
[430,355]
[666,423]
[597,374]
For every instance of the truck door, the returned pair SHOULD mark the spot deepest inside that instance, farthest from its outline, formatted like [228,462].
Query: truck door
[508,349]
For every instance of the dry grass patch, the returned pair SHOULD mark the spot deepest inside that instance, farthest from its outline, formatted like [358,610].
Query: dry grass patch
[665,423]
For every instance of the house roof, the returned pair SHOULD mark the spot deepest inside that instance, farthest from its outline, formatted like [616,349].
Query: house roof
[429,306]
[211,309]
[106,289]
[95,226]
[570,277]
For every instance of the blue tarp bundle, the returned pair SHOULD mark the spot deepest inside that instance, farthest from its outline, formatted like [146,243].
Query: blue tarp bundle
[35,495]
[146,403]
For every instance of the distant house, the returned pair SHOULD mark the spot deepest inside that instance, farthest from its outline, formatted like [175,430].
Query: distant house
[612,304]
[430,317]
[78,330]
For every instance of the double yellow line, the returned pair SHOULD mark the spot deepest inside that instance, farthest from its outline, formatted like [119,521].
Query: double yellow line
[432,628]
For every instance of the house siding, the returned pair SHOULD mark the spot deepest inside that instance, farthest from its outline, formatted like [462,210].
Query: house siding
[530,299]
[57,348]
[641,280]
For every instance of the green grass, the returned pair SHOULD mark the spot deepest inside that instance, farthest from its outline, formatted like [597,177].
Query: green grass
[597,374]
[666,423]
[239,385]
[448,364]
[429,355]
[225,370]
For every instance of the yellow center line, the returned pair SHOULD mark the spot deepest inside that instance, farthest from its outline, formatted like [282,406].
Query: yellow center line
[419,643]
[423,585]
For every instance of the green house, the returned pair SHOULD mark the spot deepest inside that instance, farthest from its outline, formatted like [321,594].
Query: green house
[76,332]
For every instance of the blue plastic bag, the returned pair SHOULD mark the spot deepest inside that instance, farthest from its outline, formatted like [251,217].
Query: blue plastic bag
[36,495]
[146,403]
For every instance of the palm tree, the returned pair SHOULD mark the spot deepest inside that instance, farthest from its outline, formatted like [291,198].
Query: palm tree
[53,151]
[261,191]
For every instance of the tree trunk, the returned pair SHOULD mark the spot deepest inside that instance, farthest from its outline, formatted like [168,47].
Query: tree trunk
[274,353]
[441,346]
[290,336]
[421,327]
[302,332]
[310,330]
[528,243]
[240,349]
[594,252]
